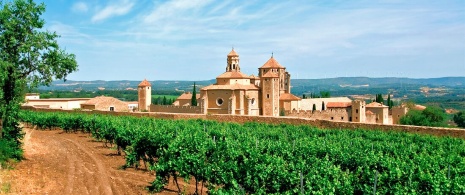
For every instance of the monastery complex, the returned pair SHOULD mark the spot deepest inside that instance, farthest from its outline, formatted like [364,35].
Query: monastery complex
[237,93]
[269,94]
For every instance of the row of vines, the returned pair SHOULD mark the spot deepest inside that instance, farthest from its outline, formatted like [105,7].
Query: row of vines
[255,158]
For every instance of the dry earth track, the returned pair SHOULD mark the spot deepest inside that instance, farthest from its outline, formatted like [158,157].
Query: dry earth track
[73,163]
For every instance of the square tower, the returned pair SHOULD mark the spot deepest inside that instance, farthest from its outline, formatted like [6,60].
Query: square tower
[145,95]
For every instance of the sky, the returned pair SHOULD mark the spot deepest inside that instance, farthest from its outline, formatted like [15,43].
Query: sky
[189,39]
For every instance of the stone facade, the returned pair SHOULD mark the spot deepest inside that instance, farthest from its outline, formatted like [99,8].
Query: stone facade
[145,95]
[236,93]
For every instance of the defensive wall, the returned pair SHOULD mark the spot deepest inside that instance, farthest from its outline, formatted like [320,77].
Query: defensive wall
[324,124]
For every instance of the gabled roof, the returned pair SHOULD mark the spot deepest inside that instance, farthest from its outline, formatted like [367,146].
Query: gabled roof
[288,96]
[233,53]
[272,63]
[233,75]
[338,104]
[144,83]
[270,74]
[101,99]
[187,96]
[375,104]
[232,87]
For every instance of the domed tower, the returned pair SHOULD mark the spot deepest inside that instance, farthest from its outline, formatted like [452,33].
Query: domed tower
[233,62]
[145,95]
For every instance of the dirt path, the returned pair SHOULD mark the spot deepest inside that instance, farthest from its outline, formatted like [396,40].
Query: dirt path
[73,163]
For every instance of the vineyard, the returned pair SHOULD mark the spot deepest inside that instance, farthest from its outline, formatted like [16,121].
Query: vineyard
[256,158]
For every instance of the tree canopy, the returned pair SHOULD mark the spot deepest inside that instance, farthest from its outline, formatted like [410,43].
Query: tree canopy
[29,56]
[459,119]
[431,116]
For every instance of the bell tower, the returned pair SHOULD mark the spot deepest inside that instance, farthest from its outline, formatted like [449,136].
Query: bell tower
[233,62]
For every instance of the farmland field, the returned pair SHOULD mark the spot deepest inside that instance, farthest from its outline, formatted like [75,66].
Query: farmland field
[260,158]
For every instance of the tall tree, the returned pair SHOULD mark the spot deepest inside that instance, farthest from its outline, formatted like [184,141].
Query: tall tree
[29,56]
[323,105]
[194,96]
[389,102]
[459,119]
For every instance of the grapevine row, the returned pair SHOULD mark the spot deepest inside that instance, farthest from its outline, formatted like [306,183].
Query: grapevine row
[258,158]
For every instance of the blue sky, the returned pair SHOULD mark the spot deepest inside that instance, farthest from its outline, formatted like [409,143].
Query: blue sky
[189,39]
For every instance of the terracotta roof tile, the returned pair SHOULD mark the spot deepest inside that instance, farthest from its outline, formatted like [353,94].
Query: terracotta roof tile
[338,104]
[144,83]
[233,53]
[272,63]
[234,75]
[101,99]
[375,104]
[187,96]
[288,96]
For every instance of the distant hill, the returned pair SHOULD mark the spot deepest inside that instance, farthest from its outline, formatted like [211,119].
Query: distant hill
[340,82]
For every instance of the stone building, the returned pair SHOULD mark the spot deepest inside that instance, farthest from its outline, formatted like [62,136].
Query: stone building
[145,95]
[237,93]
[104,103]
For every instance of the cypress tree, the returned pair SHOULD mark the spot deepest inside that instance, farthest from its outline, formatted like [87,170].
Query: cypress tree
[194,97]
[323,106]
[389,102]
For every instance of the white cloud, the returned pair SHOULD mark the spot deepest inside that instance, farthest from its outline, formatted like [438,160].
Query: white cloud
[117,9]
[80,7]
[174,8]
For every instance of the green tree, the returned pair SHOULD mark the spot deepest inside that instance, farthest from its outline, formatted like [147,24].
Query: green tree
[431,116]
[303,96]
[164,101]
[29,56]
[459,119]
[389,101]
[325,94]
[323,105]
[194,97]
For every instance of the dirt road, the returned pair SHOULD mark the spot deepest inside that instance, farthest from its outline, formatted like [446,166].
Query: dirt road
[73,163]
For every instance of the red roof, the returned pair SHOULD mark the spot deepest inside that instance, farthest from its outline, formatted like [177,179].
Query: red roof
[376,104]
[144,83]
[288,96]
[338,104]
[234,75]
[233,53]
[187,96]
[272,63]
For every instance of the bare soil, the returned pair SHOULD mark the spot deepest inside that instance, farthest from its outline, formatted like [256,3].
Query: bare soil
[74,163]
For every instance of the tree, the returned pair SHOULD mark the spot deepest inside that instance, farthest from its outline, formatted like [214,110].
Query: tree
[303,96]
[389,101]
[325,94]
[29,57]
[194,97]
[459,119]
[323,105]
[314,107]
[431,116]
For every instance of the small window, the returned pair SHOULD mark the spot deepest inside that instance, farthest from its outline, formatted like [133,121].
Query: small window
[342,118]
[267,95]
[332,118]
[219,101]
[253,101]
[112,108]
[356,111]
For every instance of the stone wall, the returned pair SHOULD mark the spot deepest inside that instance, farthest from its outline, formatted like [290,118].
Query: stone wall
[324,124]
[335,114]
[175,109]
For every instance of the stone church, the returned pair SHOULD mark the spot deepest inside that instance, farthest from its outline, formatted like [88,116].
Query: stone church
[237,93]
